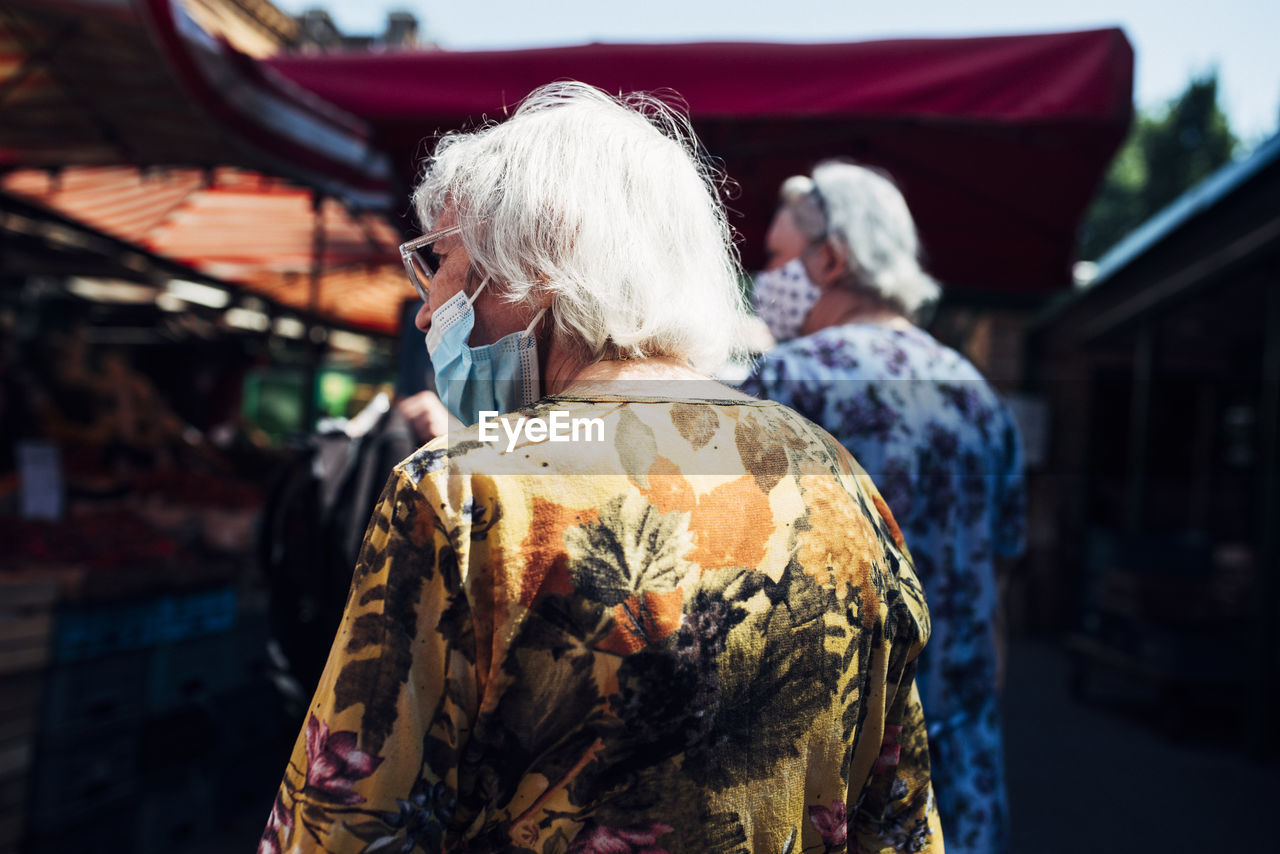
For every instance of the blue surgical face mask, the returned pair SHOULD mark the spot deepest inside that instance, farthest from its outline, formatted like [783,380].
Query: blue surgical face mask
[498,377]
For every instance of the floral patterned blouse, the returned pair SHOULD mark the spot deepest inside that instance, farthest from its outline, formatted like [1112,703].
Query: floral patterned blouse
[946,453]
[697,635]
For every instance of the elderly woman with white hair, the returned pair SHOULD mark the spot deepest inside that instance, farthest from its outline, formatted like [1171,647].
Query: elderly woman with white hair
[938,441]
[690,625]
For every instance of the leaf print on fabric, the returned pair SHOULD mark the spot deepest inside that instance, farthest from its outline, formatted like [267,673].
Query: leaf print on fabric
[668,490]
[632,548]
[722,540]
[334,764]
[366,631]
[696,423]
[546,567]
[392,625]
[549,717]
[379,527]
[890,522]
[558,843]
[636,446]
[763,454]
[457,626]
[418,823]
[564,625]
[426,461]
[773,680]
[644,619]
[480,517]
[716,515]
[667,701]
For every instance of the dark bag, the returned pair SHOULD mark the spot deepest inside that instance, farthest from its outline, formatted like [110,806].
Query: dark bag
[316,514]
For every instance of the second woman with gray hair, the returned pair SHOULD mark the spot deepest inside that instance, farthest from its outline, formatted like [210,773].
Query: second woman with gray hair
[940,444]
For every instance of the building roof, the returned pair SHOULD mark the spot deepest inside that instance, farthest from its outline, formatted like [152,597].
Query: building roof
[1194,203]
[139,82]
[132,119]
[1219,223]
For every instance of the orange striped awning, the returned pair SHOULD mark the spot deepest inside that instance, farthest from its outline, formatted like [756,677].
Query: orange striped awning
[242,227]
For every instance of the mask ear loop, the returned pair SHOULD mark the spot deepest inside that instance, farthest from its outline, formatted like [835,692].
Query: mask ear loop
[473,297]
[483,283]
[535,320]
[525,346]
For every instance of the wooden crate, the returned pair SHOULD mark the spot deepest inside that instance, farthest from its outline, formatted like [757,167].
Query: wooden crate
[74,689]
[26,630]
[13,808]
[26,622]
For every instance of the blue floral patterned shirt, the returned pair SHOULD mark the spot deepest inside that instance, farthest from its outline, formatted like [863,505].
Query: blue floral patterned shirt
[946,454]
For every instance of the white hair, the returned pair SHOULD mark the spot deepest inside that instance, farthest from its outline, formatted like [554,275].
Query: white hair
[862,212]
[794,189]
[604,204]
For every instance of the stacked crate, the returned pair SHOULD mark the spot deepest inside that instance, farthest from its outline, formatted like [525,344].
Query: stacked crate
[1157,612]
[133,751]
[26,622]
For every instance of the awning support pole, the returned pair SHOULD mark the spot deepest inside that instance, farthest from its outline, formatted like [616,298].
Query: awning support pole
[1266,669]
[315,346]
[1139,424]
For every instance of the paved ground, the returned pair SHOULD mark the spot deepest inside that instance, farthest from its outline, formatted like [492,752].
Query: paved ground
[1101,778]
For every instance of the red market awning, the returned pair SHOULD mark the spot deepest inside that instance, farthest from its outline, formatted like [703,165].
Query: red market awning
[998,143]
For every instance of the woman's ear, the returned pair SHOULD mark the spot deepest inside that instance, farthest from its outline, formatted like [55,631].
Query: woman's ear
[827,266]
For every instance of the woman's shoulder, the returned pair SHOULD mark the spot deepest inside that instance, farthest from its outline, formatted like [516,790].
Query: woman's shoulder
[568,436]
[572,435]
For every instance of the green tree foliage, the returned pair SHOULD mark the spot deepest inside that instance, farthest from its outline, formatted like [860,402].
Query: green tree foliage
[1163,157]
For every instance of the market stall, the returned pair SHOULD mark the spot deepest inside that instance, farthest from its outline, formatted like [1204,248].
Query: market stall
[138,711]
[129,496]
[1161,494]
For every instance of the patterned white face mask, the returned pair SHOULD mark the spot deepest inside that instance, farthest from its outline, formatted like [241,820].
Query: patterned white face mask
[784,297]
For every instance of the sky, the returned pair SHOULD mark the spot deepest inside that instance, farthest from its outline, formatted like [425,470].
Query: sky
[1172,41]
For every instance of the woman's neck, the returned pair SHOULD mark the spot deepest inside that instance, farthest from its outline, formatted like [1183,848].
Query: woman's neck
[837,306]
[653,377]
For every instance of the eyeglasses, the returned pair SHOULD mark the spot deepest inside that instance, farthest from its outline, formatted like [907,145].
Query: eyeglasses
[821,202]
[421,260]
